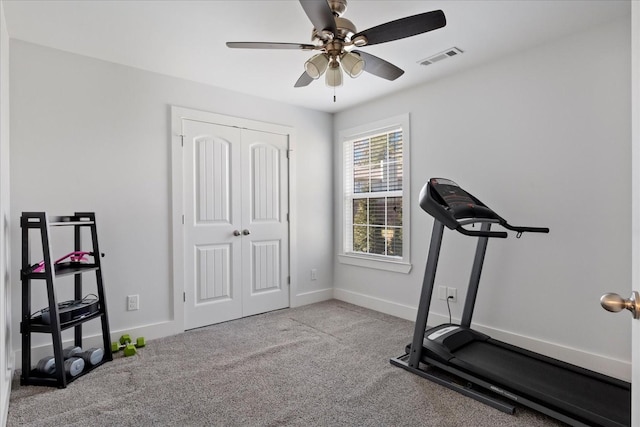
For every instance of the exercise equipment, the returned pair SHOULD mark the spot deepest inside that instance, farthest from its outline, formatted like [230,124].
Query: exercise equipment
[70,352]
[74,258]
[70,310]
[488,370]
[92,356]
[73,366]
[46,366]
[126,343]
[75,361]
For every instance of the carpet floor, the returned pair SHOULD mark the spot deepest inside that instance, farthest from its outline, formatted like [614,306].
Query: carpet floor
[324,364]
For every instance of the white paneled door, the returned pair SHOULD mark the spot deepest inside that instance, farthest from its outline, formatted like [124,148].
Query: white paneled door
[235,222]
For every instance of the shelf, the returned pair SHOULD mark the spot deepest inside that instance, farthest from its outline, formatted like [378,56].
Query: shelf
[81,224]
[35,326]
[36,220]
[64,269]
[61,223]
[36,378]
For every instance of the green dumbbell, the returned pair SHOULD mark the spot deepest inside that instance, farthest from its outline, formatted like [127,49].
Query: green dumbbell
[126,343]
[130,350]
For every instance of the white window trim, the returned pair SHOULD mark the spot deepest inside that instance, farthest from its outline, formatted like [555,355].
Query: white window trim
[377,261]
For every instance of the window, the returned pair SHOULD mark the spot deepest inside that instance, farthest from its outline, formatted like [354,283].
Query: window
[375,195]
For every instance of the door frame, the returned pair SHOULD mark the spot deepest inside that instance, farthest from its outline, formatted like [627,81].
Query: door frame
[635,212]
[177,195]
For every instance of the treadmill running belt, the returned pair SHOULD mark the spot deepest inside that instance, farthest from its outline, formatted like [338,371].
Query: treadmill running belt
[571,392]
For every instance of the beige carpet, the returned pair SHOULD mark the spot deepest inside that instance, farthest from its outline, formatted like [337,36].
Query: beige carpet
[325,364]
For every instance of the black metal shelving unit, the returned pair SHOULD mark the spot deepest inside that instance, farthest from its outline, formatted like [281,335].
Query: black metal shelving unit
[34,324]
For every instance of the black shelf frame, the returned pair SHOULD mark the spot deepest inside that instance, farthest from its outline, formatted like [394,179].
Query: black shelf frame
[29,324]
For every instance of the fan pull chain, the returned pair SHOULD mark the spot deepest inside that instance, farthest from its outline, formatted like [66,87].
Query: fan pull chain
[334,94]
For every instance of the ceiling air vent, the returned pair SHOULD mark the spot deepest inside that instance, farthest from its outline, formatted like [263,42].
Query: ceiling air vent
[440,56]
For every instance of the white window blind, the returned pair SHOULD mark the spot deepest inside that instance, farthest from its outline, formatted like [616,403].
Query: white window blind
[373,194]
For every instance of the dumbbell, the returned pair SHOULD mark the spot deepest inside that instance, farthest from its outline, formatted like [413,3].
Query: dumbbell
[72,366]
[72,351]
[126,343]
[75,360]
[46,365]
[92,357]
[126,339]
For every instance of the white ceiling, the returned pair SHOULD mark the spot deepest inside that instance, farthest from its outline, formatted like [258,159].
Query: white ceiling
[186,39]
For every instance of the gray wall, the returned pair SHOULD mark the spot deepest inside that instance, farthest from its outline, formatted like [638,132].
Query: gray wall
[89,135]
[544,138]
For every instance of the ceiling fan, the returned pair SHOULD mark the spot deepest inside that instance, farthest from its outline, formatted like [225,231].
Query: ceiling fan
[336,37]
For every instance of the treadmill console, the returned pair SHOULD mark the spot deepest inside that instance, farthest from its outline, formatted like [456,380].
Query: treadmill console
[448,202]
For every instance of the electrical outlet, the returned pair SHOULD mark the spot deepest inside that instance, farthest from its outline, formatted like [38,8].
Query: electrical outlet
[133,302]
[452,294]
[314,274]
[442,293]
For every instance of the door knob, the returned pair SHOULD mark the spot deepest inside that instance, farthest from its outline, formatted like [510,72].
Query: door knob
[246,232]
[236,232]
[615,303]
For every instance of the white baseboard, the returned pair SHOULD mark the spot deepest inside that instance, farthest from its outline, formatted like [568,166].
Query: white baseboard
[5,393]
[615,368]
[5,403]
[377,304]
[311,297]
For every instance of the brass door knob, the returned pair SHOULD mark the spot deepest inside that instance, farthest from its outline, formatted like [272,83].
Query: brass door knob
[615,303]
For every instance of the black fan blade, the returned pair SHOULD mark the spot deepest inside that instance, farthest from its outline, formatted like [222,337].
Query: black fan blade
[304,80]
[319,14]
[267,45]
[379,67]
[404,27]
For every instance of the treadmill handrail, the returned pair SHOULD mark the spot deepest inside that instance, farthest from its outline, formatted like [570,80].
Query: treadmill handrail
[521,229]
[478,221]
[499,234]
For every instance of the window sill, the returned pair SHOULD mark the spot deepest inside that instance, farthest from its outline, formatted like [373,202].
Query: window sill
[377,263]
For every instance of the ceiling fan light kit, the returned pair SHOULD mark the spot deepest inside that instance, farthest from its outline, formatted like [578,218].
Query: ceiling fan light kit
[334,75]
[316,65]
[335,37]
[352,64]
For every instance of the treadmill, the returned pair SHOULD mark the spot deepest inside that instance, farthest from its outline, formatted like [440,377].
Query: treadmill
[488,370]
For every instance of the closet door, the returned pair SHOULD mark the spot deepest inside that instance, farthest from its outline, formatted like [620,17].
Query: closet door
[212,222]
[236,231]
[265,226]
